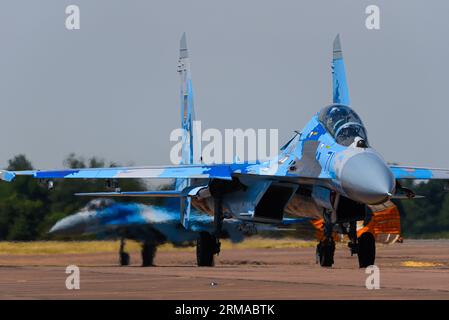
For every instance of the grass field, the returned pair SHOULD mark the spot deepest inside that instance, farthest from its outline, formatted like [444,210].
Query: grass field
[82,247]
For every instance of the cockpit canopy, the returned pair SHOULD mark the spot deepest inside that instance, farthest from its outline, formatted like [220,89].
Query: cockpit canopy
[343,124]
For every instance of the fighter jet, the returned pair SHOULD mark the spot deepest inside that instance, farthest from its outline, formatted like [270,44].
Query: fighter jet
[152,225]
[147,224]
[327,170]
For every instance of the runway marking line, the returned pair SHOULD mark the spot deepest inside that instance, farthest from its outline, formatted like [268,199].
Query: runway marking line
[421,264]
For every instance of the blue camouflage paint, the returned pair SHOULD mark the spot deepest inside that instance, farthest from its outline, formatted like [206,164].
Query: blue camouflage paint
[402,173]
[7,176]
[57,174]
[340,94]
[121,214]
[315,133]
[221,171]
[341,91]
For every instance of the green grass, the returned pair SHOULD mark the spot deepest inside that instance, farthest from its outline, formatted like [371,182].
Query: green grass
[86,247]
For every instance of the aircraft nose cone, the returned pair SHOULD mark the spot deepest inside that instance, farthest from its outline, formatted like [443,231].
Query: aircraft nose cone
[71,225]
[366,178]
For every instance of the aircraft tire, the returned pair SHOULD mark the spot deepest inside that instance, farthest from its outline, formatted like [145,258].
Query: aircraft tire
[148,254]
[366,249]
[325,252]
[205,249]
[124,258]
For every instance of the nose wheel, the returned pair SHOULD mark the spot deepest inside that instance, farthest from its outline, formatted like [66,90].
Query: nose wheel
[364,246]
[366,249]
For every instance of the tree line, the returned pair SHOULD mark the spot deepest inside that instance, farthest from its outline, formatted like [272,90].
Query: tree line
[28,209]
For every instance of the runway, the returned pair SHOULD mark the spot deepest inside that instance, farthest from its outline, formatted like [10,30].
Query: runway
[415,269]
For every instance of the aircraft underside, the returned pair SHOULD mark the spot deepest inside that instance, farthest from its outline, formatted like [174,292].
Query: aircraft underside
[338,213]
[299,206]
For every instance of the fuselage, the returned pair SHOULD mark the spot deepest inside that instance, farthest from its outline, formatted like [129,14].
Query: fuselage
[333,152]
[109,219]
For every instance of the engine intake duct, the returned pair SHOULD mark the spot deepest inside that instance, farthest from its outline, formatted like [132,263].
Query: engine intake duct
[271,207]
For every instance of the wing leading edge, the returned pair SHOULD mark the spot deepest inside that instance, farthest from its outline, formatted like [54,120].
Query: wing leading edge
[419,173]
[200,171]
[157,172]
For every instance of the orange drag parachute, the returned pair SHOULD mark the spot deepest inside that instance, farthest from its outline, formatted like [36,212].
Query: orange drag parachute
[385,224]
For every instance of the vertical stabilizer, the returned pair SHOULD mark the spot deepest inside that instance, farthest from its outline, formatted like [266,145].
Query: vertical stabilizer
[339,83]
[186,99]
[187,118]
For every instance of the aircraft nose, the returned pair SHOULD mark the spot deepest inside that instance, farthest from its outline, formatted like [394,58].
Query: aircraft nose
[71,225]
[366,178]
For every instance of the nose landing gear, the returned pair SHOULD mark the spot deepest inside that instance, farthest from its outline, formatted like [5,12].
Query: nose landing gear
[364,246]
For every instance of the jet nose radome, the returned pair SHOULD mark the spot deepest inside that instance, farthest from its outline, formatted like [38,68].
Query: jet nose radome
[71,225]
[366,178]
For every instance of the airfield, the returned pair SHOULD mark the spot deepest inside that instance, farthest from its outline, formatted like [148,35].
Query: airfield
[257,269]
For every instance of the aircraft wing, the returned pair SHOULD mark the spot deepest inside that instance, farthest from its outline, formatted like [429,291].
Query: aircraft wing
[189,171]
[158,172]
[408,172]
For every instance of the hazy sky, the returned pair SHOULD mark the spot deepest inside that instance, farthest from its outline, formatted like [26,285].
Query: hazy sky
[111,88]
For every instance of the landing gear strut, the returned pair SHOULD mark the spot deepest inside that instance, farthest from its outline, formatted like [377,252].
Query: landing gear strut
[123,256]
[148,253]
[209,244]
[352,234]
[326,248]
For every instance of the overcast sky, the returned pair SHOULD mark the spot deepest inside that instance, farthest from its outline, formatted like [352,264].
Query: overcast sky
[111,88]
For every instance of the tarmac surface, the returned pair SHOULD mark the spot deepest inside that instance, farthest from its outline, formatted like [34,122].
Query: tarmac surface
[415,269]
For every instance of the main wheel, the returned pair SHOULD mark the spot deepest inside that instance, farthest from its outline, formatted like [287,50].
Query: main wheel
[366,250]
[206,248]
[124,258]
[148,254]
[325,252]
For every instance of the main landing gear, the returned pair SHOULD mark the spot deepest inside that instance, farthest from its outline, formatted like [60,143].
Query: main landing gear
[148,253]
[326,248]
[123,256]
[208,245]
